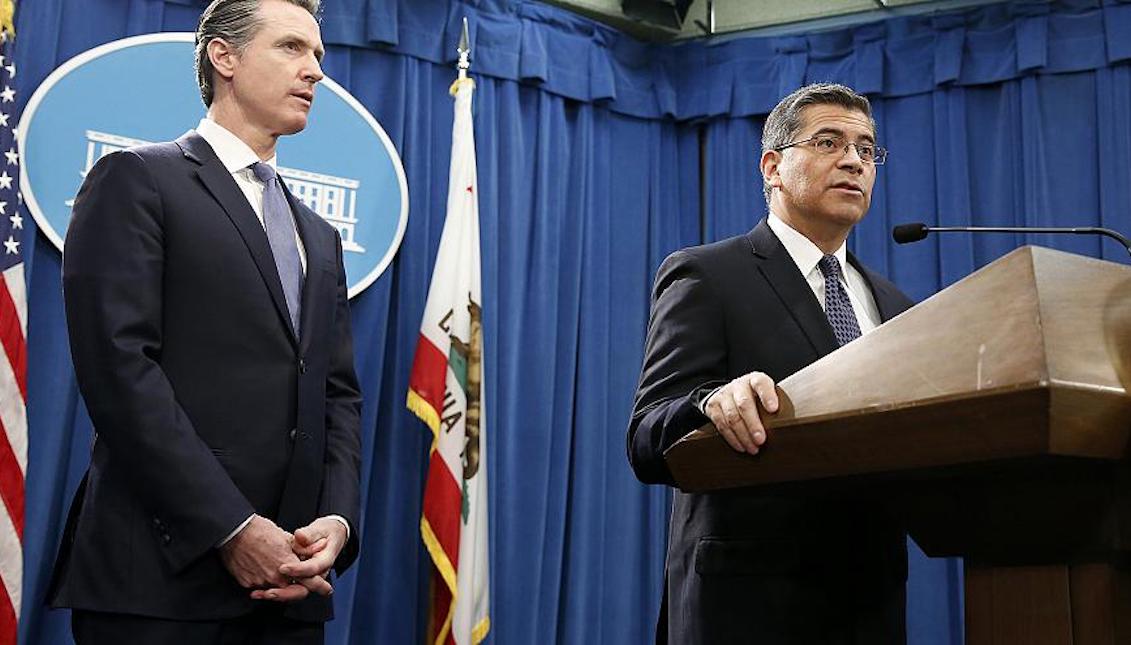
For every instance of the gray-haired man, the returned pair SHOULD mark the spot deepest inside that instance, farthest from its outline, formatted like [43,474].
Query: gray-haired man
[728,320]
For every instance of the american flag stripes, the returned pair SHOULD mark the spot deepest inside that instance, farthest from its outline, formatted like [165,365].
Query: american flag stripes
[13,366]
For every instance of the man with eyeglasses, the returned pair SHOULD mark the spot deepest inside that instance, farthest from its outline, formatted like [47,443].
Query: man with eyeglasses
[730,319]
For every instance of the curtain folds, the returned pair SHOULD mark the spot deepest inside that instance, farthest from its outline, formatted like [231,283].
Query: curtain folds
[572,57]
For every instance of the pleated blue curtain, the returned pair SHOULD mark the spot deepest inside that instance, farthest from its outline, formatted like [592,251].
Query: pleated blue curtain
[1044,150]
[584,207]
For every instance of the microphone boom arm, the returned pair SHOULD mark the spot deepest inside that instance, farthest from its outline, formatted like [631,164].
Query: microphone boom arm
[1084,230]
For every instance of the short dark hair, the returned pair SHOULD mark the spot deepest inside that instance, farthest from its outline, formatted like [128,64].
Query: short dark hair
[784,122]
[235,22]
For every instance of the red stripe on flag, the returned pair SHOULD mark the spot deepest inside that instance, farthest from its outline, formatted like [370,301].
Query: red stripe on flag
[8,622]
[12,337]
[429,373]
[442,501]
[11,484]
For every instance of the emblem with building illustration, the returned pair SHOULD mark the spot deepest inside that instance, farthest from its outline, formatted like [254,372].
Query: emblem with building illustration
[343,166]
[334,199]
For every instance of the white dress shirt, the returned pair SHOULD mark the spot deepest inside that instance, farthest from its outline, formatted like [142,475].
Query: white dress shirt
[806,255]
[238,158]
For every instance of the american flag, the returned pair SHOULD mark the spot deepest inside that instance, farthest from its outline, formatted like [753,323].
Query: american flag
[13,362]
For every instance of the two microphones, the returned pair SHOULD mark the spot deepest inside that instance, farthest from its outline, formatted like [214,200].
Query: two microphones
[906,233]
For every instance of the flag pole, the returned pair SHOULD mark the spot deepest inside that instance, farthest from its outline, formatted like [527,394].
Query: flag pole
[464,64]
[464,49]
[446,392]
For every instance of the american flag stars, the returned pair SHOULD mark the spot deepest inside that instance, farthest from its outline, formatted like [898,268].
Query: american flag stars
[13,358]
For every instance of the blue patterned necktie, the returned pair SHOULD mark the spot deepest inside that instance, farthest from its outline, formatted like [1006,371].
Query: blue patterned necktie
[838,308]
[280,227]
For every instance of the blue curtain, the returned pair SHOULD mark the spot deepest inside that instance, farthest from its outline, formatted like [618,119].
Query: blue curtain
[590,147]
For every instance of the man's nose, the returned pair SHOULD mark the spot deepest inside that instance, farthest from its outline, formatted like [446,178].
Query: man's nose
[313,71]
[851,157]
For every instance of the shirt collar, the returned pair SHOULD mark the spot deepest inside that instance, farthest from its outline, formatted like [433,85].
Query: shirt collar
[230,149]
[805,254]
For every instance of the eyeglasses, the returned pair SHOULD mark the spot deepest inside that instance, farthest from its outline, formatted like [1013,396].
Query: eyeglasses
[828,144]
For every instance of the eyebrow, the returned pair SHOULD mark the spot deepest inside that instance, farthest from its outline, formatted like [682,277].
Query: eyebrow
[840,133]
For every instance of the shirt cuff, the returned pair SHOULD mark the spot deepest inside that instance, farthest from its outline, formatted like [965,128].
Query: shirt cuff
[344,523]
[702,405]
[237,530]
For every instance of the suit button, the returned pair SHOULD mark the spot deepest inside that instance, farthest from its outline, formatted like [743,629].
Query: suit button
[293,431]
[302,366]
[157,522]
[166,539]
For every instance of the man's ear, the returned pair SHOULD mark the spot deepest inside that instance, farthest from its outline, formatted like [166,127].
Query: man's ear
[223,57]
[769,167]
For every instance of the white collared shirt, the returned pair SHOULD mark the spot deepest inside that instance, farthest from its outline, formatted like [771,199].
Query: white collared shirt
[807,255]
[237,158]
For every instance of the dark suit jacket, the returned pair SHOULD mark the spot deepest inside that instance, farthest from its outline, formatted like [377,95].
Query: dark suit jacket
[206,407]
[745,565]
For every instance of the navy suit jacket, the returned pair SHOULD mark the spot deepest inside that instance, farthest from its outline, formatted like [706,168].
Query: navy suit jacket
[749,565]
[205,405]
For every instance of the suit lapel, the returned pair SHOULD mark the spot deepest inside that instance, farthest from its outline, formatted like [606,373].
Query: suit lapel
[887,304]
[776,265]
[219,182]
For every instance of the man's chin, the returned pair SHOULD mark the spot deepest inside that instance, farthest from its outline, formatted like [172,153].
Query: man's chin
[847,216]
[293,126]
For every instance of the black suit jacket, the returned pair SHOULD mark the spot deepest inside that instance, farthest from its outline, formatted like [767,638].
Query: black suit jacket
[746,565]
[206,407]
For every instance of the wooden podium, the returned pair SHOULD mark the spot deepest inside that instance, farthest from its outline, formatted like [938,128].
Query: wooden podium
[997,413]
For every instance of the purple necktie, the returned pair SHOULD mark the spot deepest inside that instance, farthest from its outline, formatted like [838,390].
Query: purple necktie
[838,308]
[280,227]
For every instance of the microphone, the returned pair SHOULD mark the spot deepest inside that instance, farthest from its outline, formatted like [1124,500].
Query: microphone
[905,233]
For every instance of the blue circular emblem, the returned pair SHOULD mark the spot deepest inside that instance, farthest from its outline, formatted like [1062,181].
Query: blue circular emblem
[343,165]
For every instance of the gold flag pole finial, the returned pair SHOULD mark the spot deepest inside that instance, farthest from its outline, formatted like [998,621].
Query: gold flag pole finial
[7,17]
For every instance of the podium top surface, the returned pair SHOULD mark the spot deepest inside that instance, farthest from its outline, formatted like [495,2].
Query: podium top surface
[1036,320]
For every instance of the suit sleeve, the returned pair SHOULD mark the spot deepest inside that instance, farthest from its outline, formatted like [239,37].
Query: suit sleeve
[112,286]
[685,358]
[341,481]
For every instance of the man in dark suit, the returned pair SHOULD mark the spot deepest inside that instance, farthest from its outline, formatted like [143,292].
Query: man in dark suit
[210,334]
[728,320]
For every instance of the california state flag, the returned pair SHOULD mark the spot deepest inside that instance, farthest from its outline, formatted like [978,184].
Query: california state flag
[446,391]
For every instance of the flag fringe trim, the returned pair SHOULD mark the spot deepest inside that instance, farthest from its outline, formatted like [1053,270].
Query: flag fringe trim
[444,565]
[480,631]
[424,411]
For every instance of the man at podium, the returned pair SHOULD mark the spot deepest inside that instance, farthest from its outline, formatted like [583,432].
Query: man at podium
[728,320]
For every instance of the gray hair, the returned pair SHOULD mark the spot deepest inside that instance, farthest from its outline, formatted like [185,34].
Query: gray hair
[784,122]
[236,23]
